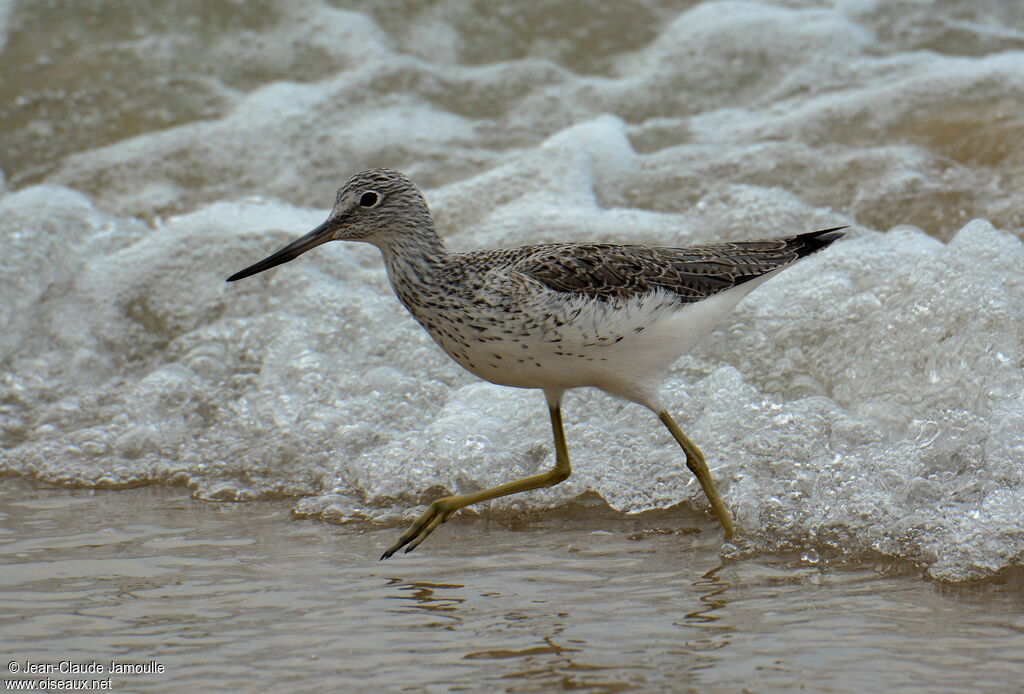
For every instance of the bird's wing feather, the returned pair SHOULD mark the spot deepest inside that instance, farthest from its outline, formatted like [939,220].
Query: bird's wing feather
[606,271]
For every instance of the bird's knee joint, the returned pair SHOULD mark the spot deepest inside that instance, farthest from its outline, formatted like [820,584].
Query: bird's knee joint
[441,506]
[558,475]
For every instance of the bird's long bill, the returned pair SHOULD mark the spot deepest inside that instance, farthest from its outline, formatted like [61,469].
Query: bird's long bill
[322,234]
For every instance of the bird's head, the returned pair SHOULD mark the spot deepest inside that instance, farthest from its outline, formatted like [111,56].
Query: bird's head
[378,206]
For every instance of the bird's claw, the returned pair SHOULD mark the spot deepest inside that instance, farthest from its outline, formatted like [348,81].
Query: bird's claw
[436,514]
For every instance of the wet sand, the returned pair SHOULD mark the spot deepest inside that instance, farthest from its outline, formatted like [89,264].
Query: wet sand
[244,597]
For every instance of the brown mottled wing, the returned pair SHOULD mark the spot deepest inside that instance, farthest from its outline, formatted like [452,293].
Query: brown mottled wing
[606,271]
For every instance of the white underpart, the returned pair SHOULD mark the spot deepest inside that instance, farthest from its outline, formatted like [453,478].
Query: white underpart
[587,352]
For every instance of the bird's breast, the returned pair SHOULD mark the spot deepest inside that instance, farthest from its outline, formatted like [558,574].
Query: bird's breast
[556,347]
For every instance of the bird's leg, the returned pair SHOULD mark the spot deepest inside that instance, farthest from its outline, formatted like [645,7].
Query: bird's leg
[695,461]
[441,509]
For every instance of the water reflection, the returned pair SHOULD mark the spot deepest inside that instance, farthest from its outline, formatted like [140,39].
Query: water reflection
[553,663]
[555,666]
[712,590]
[550,647]
[424,598]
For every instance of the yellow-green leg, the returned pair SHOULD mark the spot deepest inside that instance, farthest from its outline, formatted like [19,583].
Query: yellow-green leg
[695,461]
[441,509]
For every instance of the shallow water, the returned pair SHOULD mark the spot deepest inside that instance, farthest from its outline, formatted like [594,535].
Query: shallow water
[240,597]
[865,406]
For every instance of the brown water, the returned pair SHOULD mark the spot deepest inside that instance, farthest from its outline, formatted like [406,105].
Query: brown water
[241,597]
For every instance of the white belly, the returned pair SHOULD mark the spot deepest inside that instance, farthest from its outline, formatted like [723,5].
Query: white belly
[624,349]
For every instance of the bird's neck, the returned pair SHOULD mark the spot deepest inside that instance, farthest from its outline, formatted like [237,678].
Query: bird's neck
[413,258]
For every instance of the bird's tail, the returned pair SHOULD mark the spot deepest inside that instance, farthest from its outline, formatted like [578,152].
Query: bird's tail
[753,259]
[813,241]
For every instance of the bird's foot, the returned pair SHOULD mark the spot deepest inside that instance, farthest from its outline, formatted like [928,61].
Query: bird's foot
[436,514]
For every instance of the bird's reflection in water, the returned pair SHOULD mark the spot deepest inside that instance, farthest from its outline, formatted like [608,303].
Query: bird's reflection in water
[544,628]
[422,597]
[713,591]
[713,634]
[554,663]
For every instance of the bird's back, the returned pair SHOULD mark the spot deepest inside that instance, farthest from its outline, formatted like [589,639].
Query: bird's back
[607,272]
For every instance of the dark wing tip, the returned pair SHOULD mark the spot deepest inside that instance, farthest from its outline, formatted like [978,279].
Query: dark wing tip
[814,241]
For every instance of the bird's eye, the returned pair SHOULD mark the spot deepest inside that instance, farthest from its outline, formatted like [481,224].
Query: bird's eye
[369,199]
